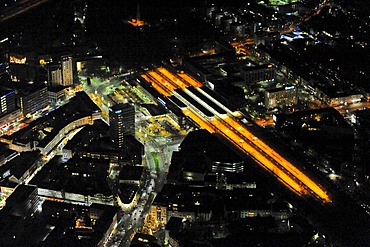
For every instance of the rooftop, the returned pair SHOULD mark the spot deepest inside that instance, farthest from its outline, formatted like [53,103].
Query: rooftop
[44,129]
[131,173]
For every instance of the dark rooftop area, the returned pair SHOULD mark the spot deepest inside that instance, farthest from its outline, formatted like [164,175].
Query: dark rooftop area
[20,195]
[20,164]
[77,175]
[131,173]
[127,192]
[205,144]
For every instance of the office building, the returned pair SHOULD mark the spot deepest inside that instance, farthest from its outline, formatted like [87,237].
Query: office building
[255,74]
[7,101]
[55,76]
[61,72]
[281,97]
[34,100]
[56,94]
[67,70]
[122,122]
[24,201]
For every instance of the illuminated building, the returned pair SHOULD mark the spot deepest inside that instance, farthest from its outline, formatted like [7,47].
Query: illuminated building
[182,212]
[281,97]
[128,196]
[17,59]
[255,74]
[67,71]
[7,101]
[34,100]
[122,122]
[61,73]
[336,95]
[47,144]
[9,119]
[159,213]
[88,225]
[55,78]
[56,94]
[227,166]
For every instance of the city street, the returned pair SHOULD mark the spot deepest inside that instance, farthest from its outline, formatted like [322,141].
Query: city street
[155,133]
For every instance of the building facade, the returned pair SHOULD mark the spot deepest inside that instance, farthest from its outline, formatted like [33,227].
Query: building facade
[7,102]
[122,122]
[281,97]
[258,73]
[67,70]
[34,101]
[55,76]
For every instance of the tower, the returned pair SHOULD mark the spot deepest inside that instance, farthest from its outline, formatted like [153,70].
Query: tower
[55,75]
[67,70]
[138,13]
[122,122]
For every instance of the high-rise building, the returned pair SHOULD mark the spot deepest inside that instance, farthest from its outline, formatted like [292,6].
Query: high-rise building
[122,122]
[7,101]
[55,78]
[61,72]
[67,70]
[33,100]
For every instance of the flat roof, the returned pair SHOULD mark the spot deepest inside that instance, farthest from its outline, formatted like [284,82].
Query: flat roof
[194,103]
[20,195]
[131,173]
[207,101]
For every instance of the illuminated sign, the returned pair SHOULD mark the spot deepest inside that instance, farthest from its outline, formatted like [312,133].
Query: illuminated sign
[14,59]
[6,174]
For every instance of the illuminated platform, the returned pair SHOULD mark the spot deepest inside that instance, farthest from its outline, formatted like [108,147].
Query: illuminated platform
[166,82]
[200,105]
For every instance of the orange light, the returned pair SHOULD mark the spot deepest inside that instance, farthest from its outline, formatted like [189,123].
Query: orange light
[203,124]
[157,86]
[136,23]
[278,158]
[191,80]
[268,158]
[166,82]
